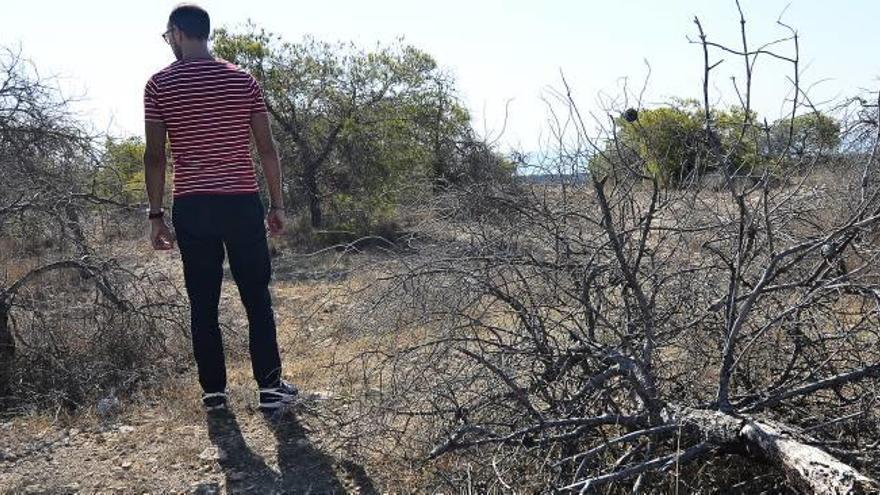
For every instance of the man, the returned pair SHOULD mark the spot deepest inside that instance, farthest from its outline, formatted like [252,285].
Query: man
[208,108]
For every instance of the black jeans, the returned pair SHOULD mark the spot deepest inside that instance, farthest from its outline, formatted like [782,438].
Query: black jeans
[204,225]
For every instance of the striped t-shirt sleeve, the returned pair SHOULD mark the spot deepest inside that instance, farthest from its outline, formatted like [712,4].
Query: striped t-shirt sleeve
[258,104]
[151,103]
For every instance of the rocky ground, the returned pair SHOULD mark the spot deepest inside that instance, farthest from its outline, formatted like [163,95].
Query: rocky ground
[151,451]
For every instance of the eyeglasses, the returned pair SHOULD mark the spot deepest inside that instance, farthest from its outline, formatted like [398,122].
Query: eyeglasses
[166,35]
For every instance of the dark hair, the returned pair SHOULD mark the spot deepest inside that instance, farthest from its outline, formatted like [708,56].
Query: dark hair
[192,20]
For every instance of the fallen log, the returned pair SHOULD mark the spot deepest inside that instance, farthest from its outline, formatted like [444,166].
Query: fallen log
[807,468]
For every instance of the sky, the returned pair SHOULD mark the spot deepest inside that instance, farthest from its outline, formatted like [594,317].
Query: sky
[506,55]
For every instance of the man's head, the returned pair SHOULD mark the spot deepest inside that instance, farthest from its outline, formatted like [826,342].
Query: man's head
[189,25]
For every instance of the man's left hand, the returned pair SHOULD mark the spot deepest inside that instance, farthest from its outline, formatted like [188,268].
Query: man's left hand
[275,220]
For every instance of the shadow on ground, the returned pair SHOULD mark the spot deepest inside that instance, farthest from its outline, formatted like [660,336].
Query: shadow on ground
[302,468]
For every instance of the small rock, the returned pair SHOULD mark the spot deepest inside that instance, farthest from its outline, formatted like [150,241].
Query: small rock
[126,465]
[213,454]
[108,406]
[318,395]
[126,429]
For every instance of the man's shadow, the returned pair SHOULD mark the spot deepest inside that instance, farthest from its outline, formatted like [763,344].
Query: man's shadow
[303,469]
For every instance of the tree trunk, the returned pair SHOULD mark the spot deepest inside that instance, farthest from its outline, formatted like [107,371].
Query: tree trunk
[7,351]
[310,180]
[76,230]
[807,468]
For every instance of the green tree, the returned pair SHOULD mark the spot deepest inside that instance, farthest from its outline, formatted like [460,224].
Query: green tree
[357,124]
[671,144]
[806,136]
[122,170]
[667,139]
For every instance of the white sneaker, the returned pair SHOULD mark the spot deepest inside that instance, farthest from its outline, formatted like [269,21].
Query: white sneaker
[214,401]
[282,395]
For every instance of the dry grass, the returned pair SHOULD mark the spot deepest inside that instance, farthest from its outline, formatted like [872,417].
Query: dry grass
[329,346]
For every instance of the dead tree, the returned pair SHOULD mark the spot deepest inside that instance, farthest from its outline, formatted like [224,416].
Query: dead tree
[50,240]
[613,332]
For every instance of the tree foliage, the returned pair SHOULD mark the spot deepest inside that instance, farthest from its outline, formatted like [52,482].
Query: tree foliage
[121,175]
[671,142]
[357,127]
[806,135]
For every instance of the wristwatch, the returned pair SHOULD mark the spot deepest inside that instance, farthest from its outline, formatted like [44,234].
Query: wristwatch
[159,214]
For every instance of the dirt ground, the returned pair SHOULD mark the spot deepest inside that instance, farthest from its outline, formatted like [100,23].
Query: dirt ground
[162,442]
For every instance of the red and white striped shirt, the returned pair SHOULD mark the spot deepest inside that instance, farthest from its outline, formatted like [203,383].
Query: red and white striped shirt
[206,106]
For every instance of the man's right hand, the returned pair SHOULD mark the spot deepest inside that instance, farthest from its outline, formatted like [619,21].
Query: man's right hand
[160,235]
